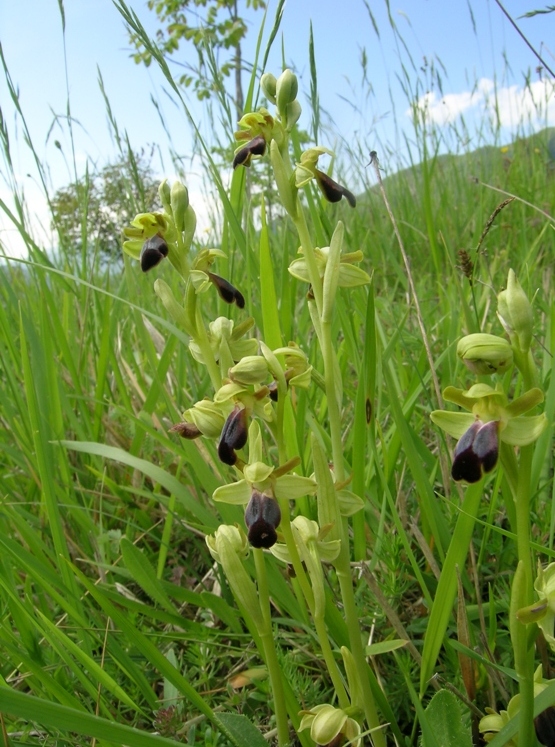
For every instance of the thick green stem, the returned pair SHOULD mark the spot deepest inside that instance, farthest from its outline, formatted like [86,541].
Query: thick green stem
[267,638]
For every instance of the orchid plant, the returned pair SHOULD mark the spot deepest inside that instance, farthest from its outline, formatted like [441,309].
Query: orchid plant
[246,407]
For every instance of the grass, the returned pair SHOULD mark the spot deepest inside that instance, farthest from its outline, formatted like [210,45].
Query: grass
[115,622]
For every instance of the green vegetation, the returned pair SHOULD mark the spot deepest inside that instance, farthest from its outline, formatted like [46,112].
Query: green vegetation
[117,625]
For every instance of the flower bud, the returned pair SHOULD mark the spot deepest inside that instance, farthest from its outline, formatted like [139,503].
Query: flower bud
[485,354]
[292,115]
[228,534]
[179,200]
[515,313]
[330,726]
[287,88]
[252,369]
[164,193]
[207,417]
[186,430]
[268,84]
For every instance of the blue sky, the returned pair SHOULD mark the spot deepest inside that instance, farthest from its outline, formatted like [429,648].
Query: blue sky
[473,64]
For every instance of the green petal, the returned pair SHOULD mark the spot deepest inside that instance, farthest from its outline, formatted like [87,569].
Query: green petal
[453,423]
[228,391]
[525,402]
[349,503]
[522,431]
[468,399]
[351,276]
[281,552]
[200,280]
[133,248]
[257,471]
[328,551]
[298,269]
[237,493]
[293,487]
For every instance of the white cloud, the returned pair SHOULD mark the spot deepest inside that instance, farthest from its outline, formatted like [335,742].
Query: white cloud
[508,106]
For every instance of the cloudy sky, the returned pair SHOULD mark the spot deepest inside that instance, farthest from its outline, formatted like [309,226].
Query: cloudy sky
[451,59]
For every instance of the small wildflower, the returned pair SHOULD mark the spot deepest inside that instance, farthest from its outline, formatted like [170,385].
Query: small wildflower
[226,291]
[331,727]
[544,723]
[144,227]
[306,170]
[257,475]
[348,276]
[476,450]
[542,611]
[258,128]
[226,339]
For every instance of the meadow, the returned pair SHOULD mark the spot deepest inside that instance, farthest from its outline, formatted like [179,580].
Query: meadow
[392,605]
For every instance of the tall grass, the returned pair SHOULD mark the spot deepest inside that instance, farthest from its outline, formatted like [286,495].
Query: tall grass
[116,626]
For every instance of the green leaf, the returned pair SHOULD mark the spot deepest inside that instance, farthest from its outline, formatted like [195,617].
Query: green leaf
[64,718]
[384,647]
[444,718]
[156,473]
[447,587]
[245,732]
[143,573]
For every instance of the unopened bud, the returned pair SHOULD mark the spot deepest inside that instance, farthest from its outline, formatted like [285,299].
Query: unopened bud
[268,84]
[207,417]
[251,369]
[485,354]
[287,88]
[515,313]
[164,193]
[179,200]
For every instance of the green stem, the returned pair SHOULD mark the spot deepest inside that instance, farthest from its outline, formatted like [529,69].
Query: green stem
[524,653]
[201,338]
[331,663]
[310,258]
[267,638]
[285,528]
[342,564]
[343,568]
